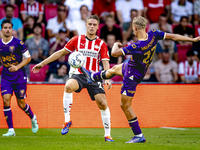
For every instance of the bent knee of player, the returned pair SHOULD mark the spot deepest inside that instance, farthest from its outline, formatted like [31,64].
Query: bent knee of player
[21,103]
[102,103]
[124,106]
[6,100]
[71,85]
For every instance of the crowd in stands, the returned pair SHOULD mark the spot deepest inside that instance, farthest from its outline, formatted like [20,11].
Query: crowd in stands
[47,25]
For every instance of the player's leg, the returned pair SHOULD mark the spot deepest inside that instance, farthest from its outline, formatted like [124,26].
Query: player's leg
[20,92]
[8,114]
[97,93]
[105,115]
[70,86]
[104,74]
[126,102]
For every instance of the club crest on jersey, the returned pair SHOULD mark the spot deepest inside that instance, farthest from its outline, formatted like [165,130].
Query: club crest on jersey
[12,48]
[96,46]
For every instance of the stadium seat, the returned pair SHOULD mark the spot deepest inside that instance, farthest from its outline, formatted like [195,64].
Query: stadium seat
[3,13]
[197,30]
[38,76]
[50,11]
[182,50]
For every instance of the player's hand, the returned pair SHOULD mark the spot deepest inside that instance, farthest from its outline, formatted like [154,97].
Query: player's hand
[37,68]
[107,82]
[197,39]
[13,68]
[119,44]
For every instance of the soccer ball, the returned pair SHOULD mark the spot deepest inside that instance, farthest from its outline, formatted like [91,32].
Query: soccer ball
[76,60]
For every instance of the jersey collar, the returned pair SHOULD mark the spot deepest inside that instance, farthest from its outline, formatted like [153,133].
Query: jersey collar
[8,41]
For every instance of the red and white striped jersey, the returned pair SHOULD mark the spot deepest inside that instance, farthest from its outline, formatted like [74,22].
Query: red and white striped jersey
[190,72]
[93,50]
[32,10]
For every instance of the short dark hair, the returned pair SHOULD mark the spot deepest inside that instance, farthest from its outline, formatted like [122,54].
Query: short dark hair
[134,10]
[9,5]
[6,21]
[163,15]
[61,5]
[37,25]
[183,18]
[83,6]
[109,16]
[93,17]
[190,53]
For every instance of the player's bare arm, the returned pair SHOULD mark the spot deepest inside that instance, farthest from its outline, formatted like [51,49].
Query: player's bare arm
[106,66]
[51,58]
[117,49]
[24,62]
[177,37]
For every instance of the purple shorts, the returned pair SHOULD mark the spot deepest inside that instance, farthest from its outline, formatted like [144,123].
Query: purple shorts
[8,88]
[129,84]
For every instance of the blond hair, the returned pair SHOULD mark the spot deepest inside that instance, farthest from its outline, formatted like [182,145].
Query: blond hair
[140,22]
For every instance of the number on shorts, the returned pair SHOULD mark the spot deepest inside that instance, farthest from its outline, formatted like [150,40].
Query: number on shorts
[100,85]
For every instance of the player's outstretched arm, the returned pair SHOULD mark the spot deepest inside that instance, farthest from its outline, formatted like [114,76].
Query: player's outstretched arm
[177,37]
[51,58]
[116,49]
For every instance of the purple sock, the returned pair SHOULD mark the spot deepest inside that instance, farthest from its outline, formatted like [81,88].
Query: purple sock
[101,75]
[28,111]
[8,114]
[97,76]
[135,126]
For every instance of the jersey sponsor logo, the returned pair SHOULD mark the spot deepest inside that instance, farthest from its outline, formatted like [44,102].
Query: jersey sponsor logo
[12,48]
[3,91]
[131,77]
[88,53]
[124,93]
[8,58]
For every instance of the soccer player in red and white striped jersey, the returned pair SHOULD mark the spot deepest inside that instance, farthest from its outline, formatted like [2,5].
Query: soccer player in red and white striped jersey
[189,70]
[94,50]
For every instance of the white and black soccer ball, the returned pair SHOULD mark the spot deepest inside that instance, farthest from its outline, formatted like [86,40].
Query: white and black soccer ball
[76,59]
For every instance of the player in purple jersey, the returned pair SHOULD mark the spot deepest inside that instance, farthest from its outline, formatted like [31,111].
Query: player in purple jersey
[14,56]
[134,70]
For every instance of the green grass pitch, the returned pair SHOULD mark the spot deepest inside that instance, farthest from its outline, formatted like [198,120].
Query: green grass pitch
[92,139]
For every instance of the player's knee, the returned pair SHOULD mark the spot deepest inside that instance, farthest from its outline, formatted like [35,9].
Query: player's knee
[124,106]
[102,104]
[21,103]
[68,88]
[6,101]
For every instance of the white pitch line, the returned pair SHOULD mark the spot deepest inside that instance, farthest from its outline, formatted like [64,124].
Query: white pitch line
[174,128]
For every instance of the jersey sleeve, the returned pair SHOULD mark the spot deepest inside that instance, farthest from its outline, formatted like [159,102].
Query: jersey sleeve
[22,8]
[22,47]
[130,49]
[159,34]
[71,44]
[104,52]
[41,8]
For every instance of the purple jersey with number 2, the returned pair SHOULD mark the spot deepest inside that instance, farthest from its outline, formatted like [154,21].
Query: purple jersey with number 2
[141,56]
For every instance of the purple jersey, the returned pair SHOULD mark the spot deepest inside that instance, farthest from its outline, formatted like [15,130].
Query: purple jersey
[11,53]
[142,54]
